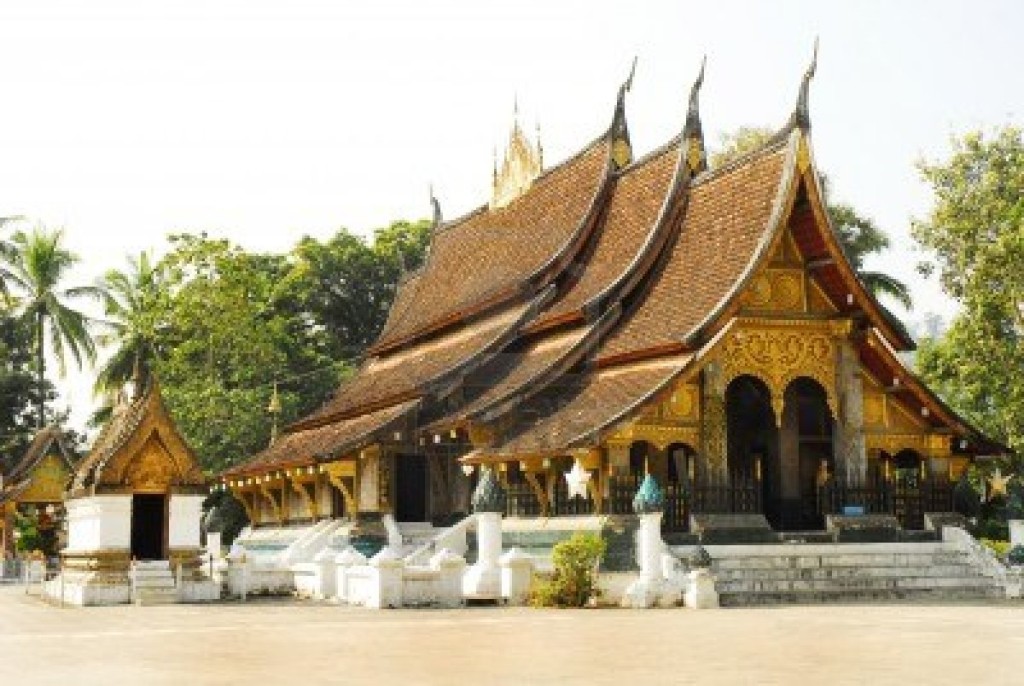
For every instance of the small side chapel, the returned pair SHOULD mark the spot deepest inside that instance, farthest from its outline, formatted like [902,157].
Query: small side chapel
[137,497]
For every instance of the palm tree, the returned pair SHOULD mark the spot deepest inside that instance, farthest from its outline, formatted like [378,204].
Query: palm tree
[129,296]
[37,267]
[7,252]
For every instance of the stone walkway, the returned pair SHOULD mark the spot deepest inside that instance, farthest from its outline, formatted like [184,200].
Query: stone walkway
[286,642]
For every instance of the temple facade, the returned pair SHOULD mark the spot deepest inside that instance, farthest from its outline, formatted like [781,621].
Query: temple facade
[615,316]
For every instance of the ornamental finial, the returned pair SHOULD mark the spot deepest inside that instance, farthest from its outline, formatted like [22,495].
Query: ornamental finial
[489,496]
[436,207]
[801,115]
[649,497]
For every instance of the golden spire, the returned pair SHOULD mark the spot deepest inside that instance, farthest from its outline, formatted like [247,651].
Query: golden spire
[274,410]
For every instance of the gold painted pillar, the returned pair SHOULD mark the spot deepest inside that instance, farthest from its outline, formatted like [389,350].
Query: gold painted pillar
[848,444]
[713,425]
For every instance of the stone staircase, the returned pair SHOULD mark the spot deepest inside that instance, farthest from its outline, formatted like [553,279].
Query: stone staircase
[848,572]
[154,584]
[415,535]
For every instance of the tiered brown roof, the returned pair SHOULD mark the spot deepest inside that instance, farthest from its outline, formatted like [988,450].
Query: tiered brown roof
[491,254]
[728,219]
[559,315]
[307,447]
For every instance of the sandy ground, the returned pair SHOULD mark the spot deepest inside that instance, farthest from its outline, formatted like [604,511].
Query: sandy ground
[288,642]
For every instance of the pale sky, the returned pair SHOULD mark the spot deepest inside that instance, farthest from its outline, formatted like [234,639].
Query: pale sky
[263,121]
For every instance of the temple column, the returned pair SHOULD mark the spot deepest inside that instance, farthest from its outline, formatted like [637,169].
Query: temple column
[848,429]
[713,425]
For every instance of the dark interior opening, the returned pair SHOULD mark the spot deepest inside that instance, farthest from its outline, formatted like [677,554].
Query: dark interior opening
[148,513]
[411,488]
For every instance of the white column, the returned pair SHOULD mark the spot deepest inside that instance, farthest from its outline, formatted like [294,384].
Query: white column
[483,579]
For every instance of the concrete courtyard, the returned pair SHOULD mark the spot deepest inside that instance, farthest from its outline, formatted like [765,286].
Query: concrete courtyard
[288,642]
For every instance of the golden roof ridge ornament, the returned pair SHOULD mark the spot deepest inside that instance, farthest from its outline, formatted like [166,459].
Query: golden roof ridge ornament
[622,149]
[693,131]
[521,165]
[801,117]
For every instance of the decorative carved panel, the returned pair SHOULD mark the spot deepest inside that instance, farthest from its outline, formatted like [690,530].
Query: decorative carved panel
[777,290]
[152,469]
[47,481]
[778,352]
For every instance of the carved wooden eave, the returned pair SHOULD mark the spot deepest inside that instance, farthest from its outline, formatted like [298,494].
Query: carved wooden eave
[140,451]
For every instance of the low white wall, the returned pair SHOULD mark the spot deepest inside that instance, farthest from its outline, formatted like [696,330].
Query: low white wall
[184,521]
[100,522]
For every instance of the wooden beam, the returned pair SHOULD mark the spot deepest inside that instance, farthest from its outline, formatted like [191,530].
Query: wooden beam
[819,263]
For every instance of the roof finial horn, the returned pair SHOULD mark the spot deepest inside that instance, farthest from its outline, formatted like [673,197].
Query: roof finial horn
[436,206]
[802,115]
[693,132]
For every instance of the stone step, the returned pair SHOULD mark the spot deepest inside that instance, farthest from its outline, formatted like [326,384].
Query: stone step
[855,584]
[155,596]
[839,560]
[796,574]
[928,594]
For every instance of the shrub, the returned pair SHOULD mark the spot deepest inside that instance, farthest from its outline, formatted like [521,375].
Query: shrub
[1016,555]
[1000,548]
[575,579]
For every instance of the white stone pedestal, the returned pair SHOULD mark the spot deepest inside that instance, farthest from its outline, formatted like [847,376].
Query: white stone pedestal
[388,567]
[483,580]
[516,576]
[450,568]
[1016,532]
[652,588]
[700,591]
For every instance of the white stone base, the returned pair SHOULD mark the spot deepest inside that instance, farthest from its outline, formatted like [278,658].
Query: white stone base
[88,588]
[645,593]
[700,591]
[482,582]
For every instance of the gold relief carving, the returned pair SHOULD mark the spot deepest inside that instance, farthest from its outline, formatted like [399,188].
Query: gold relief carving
[481,435]
[152,469]
[939,445]
[874,410]
[694,153]
[659,435]
[47,482]
[777,290]
[682,404]
[817,302]
[779,355]
[713,430]
[893,443]
[803,156]
[622,153]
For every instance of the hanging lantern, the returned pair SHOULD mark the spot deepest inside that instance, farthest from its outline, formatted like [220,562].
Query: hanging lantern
[467,469]
[577,479]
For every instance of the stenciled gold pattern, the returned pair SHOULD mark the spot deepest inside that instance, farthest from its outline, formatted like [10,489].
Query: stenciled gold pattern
[780,352]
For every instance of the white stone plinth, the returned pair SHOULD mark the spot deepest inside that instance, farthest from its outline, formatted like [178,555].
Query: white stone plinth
[652,587]
[99,522]
[483,580]
[1016,532]
[516,576]
[700,592]
[185,514]
[386,587]
[344,562]
[448,587]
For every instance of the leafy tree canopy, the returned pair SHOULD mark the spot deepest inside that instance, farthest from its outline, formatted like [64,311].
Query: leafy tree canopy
[975,232]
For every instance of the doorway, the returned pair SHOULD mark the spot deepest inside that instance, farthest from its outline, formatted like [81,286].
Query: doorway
[753,444]
[149,514]
[411,488]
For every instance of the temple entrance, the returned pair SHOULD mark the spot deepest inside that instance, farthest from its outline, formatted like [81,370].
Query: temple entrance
[754,445]
[806,453]
[149,513]
[411,488]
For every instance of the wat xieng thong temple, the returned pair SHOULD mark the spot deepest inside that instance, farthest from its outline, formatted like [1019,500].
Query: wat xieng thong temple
[615,315]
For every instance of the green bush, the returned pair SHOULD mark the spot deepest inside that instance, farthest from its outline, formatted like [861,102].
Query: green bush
[1000,548]
[1016,555]
[575,579]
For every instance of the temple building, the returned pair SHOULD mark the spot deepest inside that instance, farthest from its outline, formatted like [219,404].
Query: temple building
[618,315]
[35,487]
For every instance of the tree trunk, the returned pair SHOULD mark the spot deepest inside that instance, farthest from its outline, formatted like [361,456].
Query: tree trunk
[40,372]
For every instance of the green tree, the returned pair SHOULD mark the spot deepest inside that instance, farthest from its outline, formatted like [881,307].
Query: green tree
[975,232]
[18,390]
[858,235]
[130,299]
[38,267]
[227,334]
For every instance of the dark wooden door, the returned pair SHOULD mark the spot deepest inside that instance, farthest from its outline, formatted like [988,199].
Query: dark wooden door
[411,488]
[149,513]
